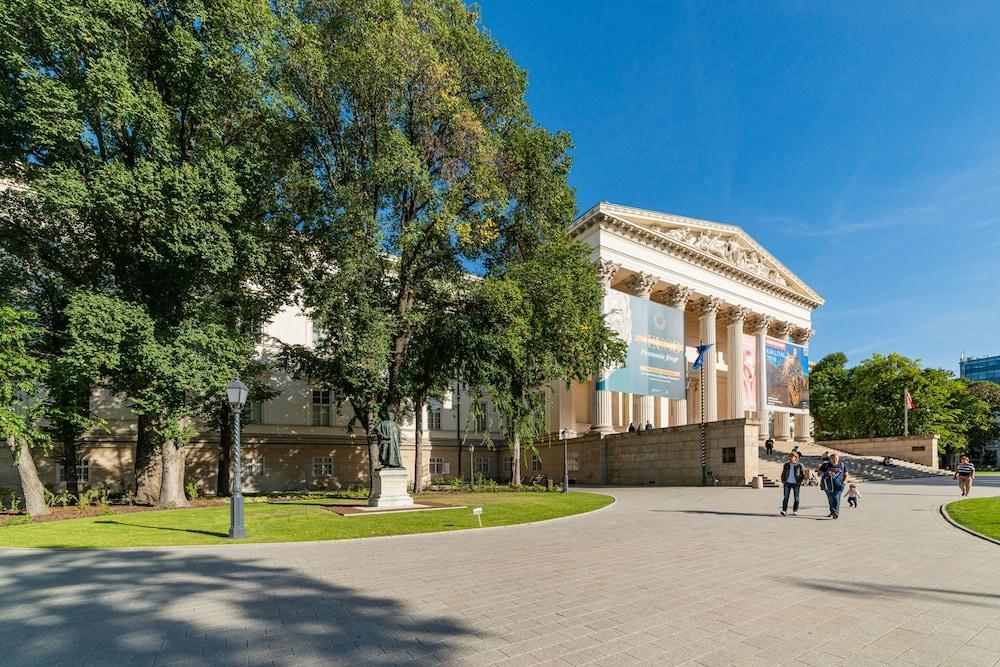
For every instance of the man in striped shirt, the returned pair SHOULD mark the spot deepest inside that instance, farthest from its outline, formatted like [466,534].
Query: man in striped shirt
[965,472]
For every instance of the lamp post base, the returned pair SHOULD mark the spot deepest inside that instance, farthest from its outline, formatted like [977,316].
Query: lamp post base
[237,526]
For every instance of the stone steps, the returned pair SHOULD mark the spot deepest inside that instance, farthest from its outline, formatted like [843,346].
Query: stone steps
[862,468]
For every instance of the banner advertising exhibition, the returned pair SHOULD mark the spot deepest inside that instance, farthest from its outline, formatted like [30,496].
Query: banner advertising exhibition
[654,333]
[787,375]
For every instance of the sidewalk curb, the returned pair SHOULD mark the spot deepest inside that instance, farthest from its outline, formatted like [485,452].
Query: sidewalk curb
[961,527]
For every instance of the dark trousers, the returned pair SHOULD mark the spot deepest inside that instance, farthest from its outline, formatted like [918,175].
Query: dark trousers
[853,502]
[788,489]
[833,494]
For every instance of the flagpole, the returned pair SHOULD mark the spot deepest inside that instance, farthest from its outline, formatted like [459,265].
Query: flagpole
[701,427]
[906,415]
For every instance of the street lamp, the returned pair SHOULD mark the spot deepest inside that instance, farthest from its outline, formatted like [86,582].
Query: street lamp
[565,439]
[472,467]
[236,392]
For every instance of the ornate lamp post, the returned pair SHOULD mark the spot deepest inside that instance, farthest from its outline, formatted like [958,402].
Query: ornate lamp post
[565,439]
[236,392]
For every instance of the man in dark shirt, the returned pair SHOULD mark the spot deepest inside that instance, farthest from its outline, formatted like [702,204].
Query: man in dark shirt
[833,476]
[792,475]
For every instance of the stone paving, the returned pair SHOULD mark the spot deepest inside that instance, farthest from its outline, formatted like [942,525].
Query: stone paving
[665,576]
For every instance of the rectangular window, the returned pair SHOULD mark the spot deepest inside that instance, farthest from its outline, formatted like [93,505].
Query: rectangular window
[322,466]
[436,466]
[483,464]
[573,462]
[253,413]
[318,336]
[321,407]
[536,463]
[482,421]
[508,464]
[253,466]
[82,471]
[729,455]
[434,416]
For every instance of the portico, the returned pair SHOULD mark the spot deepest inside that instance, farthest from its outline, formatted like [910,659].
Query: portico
[734,295]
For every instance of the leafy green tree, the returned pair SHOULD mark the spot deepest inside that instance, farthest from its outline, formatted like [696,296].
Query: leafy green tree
[427,165]
[20,370]
[988,433]
[153,145]
[829,387]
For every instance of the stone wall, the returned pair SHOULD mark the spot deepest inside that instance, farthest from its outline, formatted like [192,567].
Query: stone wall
[922,449]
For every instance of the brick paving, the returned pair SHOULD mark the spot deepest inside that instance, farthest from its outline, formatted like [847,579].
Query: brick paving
[665,576]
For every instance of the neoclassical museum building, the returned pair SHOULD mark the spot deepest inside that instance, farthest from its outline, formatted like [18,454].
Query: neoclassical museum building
[671,283]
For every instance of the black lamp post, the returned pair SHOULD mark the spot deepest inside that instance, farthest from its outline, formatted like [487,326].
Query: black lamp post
[236,392]
[565,439]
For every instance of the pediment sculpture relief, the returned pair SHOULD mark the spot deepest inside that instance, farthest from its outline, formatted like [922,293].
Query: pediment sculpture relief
[728,249]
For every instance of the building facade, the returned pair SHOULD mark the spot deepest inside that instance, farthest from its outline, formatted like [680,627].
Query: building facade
[980,368]
[713,282]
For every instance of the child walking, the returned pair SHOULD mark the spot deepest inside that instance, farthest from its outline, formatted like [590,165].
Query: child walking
[852,495]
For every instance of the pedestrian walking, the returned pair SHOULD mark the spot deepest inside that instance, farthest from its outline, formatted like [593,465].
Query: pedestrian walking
[853,496]
[792,475]
[833,477]
[769,444]
[965,472]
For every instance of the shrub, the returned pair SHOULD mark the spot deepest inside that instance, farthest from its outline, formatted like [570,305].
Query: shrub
[192,490]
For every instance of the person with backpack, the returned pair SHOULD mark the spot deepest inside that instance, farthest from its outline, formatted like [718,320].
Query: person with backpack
[792,475]
[833,477]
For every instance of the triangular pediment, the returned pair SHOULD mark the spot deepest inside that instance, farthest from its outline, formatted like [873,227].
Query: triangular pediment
[727,245]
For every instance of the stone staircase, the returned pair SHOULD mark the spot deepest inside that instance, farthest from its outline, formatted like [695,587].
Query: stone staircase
[862,468]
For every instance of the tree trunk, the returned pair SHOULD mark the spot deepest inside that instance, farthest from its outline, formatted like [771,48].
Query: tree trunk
[515,465]
[172,479]
[147,464]
[223,488]
[418,445]
[31,487]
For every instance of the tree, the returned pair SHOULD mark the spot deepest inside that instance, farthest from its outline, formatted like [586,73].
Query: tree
[20,370]
[150,137]
[987,433]
[427,167]
[829,387]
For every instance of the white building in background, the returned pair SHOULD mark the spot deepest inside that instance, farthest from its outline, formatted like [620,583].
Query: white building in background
[717,283]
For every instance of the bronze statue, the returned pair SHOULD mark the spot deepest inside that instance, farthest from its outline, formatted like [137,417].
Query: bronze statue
[388,444]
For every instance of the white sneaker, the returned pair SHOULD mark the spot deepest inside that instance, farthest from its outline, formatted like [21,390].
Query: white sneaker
[795,513]
[782,512]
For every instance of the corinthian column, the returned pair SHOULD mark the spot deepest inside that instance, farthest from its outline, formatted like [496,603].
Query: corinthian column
[734,316]
[803,422]
[641,284]
[707,309]
[601,409]
[758,327]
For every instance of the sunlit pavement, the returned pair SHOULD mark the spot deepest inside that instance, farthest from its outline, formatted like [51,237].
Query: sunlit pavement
[665,576]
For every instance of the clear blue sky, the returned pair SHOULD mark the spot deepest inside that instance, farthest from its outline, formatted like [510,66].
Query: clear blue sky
[859,142]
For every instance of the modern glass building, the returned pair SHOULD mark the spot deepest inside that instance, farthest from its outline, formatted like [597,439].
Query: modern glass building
[980,368]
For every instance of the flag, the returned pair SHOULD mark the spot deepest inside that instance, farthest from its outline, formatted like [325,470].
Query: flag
[908,399]
[702,349]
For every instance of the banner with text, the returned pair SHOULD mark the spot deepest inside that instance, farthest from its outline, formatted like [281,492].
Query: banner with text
[787,376]
[749,372]
[654,333]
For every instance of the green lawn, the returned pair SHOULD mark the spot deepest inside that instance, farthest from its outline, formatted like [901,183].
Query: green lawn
[296,521]
[979,514]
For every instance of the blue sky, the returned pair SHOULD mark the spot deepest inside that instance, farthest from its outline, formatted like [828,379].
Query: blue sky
[859,142]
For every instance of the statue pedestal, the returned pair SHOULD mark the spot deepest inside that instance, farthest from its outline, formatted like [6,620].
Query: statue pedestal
[389,489]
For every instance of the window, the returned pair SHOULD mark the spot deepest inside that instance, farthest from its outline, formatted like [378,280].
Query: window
[536,463]
[483,464]
[729,455]
[82,471]
[437,466]
[322,466]
[253,413]
[253,466]
[508,464]
[434,415]
[482,422]
[321,407]
[318,335]
[573,462]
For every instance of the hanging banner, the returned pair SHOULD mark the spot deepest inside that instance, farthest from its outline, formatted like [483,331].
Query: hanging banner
[654,333]
[749,372]
[787,376]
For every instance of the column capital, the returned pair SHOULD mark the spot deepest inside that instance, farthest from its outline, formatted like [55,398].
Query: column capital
[801,335]
[708,305]
[606,270]
[735,314]
[759,324]
[676,296]
[641,284]
[780,329]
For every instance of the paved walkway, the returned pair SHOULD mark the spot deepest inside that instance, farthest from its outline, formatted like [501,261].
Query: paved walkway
[665,576]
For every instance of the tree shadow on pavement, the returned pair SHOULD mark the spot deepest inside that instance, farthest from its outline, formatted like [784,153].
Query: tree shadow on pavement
[179,606]
[765,514]
[213,533]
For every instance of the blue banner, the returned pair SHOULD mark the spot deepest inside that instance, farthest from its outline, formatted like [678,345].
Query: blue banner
[655,364]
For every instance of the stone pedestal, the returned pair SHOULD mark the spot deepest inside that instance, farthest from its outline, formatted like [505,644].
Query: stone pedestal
[389,489]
